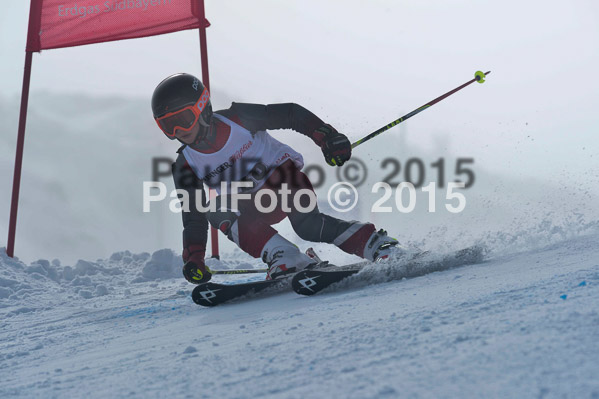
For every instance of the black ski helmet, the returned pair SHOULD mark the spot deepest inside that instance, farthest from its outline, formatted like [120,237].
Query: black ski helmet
[175,93]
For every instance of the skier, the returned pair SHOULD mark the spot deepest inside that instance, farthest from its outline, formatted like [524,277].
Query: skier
[233,145]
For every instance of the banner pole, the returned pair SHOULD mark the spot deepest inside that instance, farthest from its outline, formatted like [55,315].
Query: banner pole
[16,182]
[204,46]
[206,81]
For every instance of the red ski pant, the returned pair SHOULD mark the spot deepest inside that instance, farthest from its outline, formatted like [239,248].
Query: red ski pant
[250,228]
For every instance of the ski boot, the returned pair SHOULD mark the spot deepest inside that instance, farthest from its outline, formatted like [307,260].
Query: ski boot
[379,246]
[283,257]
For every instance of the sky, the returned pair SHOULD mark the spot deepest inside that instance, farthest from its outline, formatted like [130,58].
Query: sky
[358,66]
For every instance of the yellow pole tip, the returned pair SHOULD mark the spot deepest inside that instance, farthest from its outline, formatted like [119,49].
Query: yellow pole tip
[479,76]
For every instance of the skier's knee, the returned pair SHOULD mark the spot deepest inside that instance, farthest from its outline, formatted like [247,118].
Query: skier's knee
[222,219]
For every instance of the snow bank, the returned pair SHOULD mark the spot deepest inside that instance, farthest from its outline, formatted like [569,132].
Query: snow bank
[121,273]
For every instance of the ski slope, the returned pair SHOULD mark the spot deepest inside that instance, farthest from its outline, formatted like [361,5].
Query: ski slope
[520,325]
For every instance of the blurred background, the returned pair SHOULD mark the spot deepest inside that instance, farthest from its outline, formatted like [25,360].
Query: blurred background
[530,129]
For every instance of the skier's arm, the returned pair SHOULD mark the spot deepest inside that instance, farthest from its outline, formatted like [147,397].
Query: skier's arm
[195,224]
[254,117]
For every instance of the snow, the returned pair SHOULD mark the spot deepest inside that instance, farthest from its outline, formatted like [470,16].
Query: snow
[520,324]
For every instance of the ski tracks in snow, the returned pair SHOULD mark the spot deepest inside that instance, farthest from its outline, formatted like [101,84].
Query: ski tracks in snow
[520,325]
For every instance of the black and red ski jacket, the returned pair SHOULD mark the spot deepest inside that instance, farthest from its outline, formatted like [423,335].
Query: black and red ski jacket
[254,117]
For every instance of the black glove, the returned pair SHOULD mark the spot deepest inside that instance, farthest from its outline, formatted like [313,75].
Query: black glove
[335,146]
[196,273]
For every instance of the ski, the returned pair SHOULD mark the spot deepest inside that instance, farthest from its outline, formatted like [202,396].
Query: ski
[310,282]
[211,294]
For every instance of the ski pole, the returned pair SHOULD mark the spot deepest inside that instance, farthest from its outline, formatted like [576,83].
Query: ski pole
[479,77]
[238,271]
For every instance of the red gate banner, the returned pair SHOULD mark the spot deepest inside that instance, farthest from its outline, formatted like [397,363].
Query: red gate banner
[66,23]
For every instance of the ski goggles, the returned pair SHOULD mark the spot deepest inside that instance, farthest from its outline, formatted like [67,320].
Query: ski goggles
[185,118]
